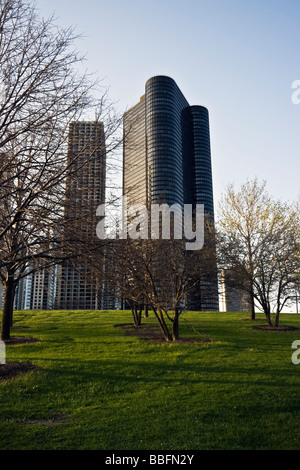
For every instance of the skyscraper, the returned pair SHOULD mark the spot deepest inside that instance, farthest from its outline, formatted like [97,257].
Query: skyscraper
[167,148]
[85,190]
[72,285]
[167,155]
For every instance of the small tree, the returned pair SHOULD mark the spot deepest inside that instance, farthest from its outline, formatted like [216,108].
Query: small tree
[163,275]
[258,245]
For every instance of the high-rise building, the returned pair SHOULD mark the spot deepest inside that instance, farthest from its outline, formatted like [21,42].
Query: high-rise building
[72,285]
[167,156]
[167,148]
[85,190]
[24,292]
[44,284]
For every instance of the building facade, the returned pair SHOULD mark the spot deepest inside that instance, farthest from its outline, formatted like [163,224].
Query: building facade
[167,155]
[72,284]
[77,288]
[37,290]
[232,299]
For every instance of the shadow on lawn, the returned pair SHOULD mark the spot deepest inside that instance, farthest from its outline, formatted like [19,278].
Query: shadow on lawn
[13,369]
[153,333]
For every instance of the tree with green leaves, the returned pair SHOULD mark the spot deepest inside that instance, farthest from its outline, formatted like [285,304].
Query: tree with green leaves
[259,246]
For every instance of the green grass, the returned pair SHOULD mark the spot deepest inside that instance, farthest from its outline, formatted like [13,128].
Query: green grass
[99,389]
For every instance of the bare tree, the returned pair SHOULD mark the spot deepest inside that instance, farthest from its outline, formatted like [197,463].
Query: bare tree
[162,275]
[41,91]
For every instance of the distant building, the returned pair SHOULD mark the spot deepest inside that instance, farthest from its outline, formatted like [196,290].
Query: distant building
[167,156]
[232,299]
[72,285]
[44,283]
[85,190]
[37,290]
[24,293]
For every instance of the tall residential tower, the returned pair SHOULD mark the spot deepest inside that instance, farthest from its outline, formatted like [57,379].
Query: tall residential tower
[85,190]
[167,148]
[167,155]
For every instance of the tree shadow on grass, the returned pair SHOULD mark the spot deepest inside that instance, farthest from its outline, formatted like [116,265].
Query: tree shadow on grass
[13,369]
[10,370]
[153,333]
[20,340]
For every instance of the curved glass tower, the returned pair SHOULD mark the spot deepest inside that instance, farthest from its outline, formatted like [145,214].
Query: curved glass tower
[163,108]
[167,156]
[197,158]
[167,148]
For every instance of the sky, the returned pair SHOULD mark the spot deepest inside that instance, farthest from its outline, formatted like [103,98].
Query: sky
[238,58]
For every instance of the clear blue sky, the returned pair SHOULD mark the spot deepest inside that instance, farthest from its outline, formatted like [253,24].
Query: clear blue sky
[238,58]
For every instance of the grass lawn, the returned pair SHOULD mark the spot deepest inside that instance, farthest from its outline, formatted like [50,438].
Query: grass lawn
[97,387]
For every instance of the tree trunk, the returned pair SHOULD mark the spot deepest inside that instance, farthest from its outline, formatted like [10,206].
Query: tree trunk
[139,311]
[137,315]
[175,328]
[252,306]
[268,315]
[8,308]
[146,311]
[12,303]
[163,326]
[133,314]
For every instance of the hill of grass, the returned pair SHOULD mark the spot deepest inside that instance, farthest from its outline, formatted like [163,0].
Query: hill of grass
[97,385]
